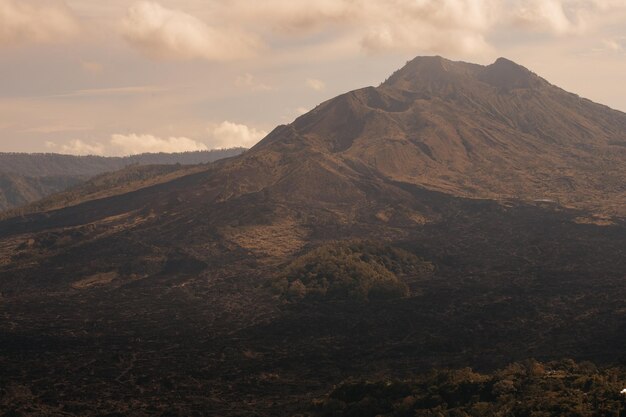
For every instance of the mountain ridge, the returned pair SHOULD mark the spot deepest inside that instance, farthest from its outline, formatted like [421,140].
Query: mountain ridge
[27,178]
[46,164]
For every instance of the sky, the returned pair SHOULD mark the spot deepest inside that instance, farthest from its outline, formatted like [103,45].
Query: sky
[120,77]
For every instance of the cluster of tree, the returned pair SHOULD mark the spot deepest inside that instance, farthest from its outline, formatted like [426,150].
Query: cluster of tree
[529,389]
[350,270]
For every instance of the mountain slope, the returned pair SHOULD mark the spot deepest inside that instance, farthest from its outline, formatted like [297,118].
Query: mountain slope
[498,131]
[113,183]
[17,190]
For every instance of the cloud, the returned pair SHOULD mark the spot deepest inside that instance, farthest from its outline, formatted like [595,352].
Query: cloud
[77,147]
[56,128]
[23,21]
[249,82]
[296,16]
[562,17]
[544,15]
[134,144]
[172,34]
[228,134]
[92,67]
[131,144]
[115,91]
[409,25]
[613,45]
[455,27]
[314,84]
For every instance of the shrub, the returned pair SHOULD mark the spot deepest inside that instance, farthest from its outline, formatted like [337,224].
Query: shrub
[349,270]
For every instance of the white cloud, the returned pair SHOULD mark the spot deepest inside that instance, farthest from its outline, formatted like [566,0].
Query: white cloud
[562,17]
[134,144]
[131,144]
[23,21]
[228,134]
[544,15]
[172,34]
[249,82]
[301,110]
[423,26]
[426,25]
[77,147]
[317,85]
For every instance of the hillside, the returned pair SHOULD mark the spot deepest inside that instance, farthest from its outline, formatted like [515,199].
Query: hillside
[423,224]
[125,180]
[496,131]
[16,190]
[26,178]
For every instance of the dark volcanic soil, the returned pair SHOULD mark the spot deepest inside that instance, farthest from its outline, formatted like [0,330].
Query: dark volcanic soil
[510,283]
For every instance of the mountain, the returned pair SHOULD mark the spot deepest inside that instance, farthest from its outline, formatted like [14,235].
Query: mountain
[25,178]
[128,179]
[496,131]
[450,217]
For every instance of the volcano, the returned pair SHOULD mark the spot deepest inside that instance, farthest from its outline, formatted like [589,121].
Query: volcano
[508,189]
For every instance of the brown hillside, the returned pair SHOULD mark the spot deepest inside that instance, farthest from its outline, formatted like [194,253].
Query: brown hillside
[497,131]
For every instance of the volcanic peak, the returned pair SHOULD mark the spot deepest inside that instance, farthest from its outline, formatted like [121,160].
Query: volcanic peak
[434,72]
[506,74]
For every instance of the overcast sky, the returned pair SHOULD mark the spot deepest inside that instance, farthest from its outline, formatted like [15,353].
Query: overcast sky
[116,77]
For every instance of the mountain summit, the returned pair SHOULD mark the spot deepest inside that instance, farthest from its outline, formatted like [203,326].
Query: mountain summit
[429,72]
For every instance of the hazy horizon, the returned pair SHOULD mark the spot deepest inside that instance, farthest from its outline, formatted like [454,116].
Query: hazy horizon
[124,77]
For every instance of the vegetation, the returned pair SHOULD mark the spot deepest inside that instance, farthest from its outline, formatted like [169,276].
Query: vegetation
[350,270]
[528,388]
[17,189]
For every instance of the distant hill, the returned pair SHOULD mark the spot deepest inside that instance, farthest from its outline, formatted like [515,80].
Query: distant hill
[59,193]
[16,190]
[49,164]
[25,178]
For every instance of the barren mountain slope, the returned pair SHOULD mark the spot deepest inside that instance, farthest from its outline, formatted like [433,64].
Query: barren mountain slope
[355,165]
[498,131]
